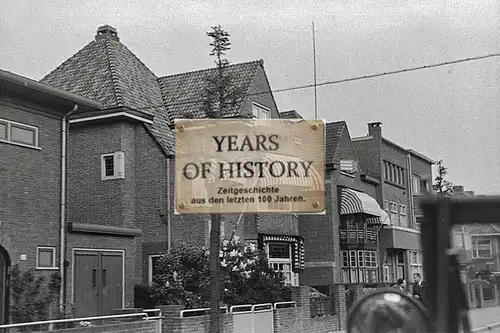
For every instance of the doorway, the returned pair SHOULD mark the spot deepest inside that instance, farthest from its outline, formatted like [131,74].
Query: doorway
[97,282]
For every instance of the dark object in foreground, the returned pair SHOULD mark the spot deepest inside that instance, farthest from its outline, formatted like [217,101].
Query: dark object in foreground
[388,310]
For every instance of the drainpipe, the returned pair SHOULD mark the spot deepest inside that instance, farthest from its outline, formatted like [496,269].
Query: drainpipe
[411,211]
[167,208]
[62,245]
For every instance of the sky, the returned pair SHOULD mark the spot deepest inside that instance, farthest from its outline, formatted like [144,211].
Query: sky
[450,113]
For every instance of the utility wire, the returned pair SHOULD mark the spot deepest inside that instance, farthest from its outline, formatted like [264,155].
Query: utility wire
[357,78]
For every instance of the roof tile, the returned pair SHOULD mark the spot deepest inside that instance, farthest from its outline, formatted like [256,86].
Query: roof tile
[182,92]
[333,133]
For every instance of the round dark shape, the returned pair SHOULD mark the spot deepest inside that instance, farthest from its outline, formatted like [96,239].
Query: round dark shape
[388,311]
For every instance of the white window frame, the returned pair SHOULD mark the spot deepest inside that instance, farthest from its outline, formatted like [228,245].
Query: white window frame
[416,184]
[288,261]
[361,259]
[353,259]
[118,166]
[402,210]
[475,250]
[260,108]
[8,132]
[386,206]
[150,267]
[394,207]
[53,249]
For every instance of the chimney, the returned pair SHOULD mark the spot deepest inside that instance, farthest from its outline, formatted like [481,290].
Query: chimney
[375,129]
[106,32]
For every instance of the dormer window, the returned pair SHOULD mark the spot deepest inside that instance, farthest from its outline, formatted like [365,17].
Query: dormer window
[260,111]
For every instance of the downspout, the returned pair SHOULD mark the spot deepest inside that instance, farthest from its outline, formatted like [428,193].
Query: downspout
[167,208]
[410,190]
[62,245]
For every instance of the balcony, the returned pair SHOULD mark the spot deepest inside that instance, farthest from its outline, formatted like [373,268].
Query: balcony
[358,236]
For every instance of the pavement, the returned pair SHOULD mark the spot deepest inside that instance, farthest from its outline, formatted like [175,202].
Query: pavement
[484,317]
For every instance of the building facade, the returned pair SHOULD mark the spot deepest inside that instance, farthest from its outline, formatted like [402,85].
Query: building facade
[121,172]
[33,119]
[404,175]
[341,246]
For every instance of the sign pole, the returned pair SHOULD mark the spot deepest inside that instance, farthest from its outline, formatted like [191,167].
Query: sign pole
[215,288]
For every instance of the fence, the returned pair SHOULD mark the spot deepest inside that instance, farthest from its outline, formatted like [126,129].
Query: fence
[307,313]
[141,322]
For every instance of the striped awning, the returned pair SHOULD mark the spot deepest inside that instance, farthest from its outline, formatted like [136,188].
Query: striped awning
[355,202]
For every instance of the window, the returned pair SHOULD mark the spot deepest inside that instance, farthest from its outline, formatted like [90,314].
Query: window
[19,134]
[348,166]
[353,262]
[481,247]
[3,131]
[345,259]
[394,173]
[403,220]
[46,257]
[260,112]
[386,206]
[416,183]
[370,259]
[359,266]
[153,261]
[280,259]
[360,259]
[415,259]
[394,212]
[112,166]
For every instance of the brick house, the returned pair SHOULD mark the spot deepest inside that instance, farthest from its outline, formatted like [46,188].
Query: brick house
[32,156]
[404,175]
[121,172]
[341,246]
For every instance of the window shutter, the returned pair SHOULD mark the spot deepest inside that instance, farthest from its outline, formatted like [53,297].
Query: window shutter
[119,161]
[103,168]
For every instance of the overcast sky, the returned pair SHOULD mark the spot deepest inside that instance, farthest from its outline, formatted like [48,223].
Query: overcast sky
[450,112]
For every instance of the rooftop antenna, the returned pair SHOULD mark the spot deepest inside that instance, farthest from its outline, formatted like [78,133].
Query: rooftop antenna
[315,80]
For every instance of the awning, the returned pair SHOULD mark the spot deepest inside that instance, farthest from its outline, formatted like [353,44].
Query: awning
[312,182]
[355,202]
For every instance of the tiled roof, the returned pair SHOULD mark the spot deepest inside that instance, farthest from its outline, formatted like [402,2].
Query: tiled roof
[182,92]
[488,228]
[332,137]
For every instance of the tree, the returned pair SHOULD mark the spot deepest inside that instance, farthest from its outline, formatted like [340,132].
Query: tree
[219,95]
[441,185]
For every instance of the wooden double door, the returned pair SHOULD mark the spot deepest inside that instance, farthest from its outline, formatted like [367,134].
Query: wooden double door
[98,282]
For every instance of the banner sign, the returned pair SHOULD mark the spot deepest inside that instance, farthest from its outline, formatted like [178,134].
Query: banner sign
[249,166]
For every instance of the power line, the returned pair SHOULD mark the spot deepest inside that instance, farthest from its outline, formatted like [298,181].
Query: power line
[357,78]
[390,73]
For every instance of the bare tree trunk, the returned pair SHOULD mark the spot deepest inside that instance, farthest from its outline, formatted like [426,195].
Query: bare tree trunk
[215,287]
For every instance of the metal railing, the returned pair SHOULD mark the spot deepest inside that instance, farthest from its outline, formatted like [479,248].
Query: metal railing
[143,315]
[199,312]
[282,305]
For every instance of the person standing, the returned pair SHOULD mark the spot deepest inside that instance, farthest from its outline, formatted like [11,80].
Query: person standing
[419,288]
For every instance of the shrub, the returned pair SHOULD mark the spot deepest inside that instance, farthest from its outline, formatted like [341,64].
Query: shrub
[35,299]
[246,278]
